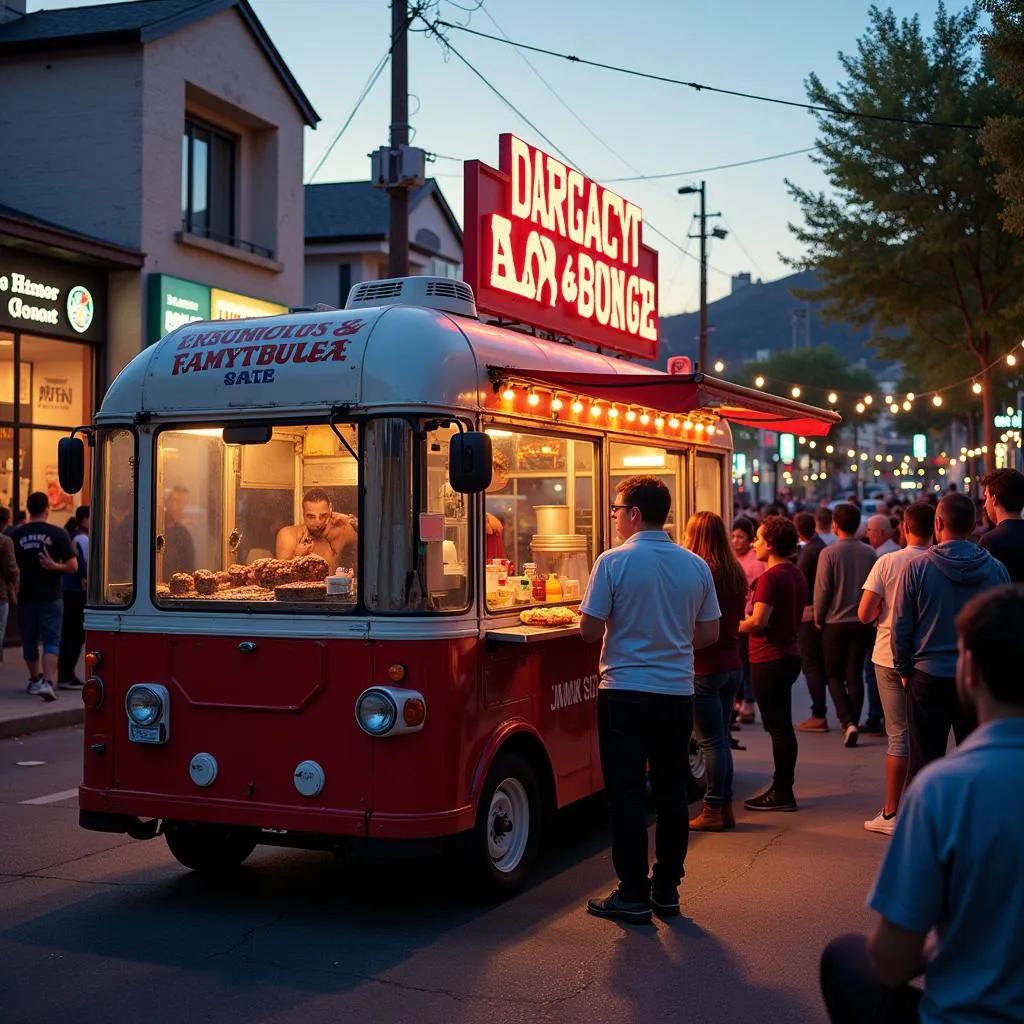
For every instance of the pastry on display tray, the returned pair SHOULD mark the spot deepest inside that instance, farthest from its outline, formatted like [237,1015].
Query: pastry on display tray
[560,616]
[301,592]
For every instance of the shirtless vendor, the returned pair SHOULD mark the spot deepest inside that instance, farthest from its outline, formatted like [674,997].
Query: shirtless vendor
[332,535]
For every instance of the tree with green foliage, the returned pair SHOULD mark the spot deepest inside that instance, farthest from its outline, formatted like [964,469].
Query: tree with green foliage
[1003,137]
[910,238]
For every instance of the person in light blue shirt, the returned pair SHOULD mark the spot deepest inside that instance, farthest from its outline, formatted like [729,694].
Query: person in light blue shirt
[652,603]
[950,890]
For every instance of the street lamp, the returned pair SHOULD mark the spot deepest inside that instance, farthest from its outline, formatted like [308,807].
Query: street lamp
[689,190]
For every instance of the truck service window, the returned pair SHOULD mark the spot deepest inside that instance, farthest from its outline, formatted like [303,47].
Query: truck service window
[539,517]
[669,467]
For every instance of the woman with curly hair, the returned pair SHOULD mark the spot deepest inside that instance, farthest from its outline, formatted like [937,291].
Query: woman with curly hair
[773,627]
[717,670]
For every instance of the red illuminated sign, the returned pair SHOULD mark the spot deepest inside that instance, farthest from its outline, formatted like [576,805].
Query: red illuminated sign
[548,247]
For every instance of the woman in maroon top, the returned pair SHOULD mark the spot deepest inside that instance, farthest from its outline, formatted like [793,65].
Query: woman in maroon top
[773,626]
[717,669]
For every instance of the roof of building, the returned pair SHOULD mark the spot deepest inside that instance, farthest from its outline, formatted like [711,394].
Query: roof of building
[139,22]
[344,210]
[21,227]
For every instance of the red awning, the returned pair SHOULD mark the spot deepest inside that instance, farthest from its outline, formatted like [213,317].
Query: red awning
[682,394]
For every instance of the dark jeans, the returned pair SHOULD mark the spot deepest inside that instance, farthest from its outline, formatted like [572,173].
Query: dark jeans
[813,657]
[875,710]
[773,687]
[713,699]
[746,684]
[932,710]
[72,635]
[853,992]
[846,645]
[638,732]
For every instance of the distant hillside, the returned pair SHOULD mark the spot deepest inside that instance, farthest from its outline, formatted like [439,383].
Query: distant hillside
[760,317]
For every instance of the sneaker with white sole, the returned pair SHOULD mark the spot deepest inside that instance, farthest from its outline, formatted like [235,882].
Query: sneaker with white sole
[883,823]
[43,688]
[850,736]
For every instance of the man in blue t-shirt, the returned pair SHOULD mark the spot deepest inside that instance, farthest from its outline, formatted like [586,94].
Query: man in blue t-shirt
[651,603]
[950,890]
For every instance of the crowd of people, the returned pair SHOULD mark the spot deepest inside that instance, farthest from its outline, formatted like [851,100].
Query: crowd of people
[920,608]
[43,571]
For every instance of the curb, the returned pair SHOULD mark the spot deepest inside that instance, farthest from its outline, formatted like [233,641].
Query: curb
[58,718]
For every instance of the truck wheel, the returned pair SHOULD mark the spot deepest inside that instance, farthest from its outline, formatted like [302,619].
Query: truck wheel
[502,847]
[211,849]
[697,783]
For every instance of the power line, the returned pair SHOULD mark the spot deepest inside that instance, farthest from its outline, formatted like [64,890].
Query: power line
[504,99]
[718,167]
[367,88]
[700,87]
[554,92]
[743,248]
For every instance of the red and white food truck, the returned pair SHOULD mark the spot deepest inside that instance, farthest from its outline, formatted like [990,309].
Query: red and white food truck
[318,539]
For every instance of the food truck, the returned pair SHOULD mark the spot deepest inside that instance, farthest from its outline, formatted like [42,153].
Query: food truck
[336,561]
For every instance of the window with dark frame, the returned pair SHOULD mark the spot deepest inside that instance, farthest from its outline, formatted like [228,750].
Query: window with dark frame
[208,183]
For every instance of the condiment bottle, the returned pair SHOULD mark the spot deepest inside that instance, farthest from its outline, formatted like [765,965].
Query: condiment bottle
[539,590]
[552,588]
[523,596]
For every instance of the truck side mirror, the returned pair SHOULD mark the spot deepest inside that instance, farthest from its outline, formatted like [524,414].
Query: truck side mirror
[469,462]
[71,464]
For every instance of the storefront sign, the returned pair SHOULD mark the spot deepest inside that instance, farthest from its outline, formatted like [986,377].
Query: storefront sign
[548,247]
[174,302]
[1008,422]
[51,297]
[229,306]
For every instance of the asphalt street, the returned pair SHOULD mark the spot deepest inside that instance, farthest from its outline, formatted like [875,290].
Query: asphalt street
[101,928]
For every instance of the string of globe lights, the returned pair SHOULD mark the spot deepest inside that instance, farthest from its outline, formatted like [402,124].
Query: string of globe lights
[563,404]
[893,402]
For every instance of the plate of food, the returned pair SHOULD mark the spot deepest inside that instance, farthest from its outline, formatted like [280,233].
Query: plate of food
[560,616]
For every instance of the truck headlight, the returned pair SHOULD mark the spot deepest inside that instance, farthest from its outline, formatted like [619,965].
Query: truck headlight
[376,712]
[148,707]
[144,705]
[389,711]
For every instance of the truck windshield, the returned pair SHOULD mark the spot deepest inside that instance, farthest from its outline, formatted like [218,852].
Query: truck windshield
[111,571]
[280,524]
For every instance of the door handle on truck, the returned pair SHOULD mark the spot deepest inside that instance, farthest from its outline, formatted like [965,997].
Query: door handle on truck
[247,646]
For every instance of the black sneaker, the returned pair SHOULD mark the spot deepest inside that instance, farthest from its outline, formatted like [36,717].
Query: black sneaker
[74,683]
[771,800]
[665,902]
[613,905]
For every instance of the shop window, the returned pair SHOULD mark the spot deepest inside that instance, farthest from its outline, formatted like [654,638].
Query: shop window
[50,393]
[709,483]
[539,515]
[344,283]
[208,182]
[644,460]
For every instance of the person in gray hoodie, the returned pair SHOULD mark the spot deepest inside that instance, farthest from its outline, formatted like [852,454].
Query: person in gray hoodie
[929,595]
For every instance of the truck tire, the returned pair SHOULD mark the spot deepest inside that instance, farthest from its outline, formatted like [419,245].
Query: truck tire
[209,849]
[502,847]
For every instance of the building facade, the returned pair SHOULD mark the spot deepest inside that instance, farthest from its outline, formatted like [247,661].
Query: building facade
[347,237]
[169,128]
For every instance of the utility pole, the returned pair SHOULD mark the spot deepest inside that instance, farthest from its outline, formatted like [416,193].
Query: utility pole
[398,234]
[702,358]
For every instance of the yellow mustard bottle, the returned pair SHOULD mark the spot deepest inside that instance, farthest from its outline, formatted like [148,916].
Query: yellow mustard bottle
[552,588]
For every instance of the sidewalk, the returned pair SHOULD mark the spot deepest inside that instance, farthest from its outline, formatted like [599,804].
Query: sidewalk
[20,713]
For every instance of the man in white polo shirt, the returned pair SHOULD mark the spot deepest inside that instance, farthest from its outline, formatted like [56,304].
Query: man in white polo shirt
[652,604]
